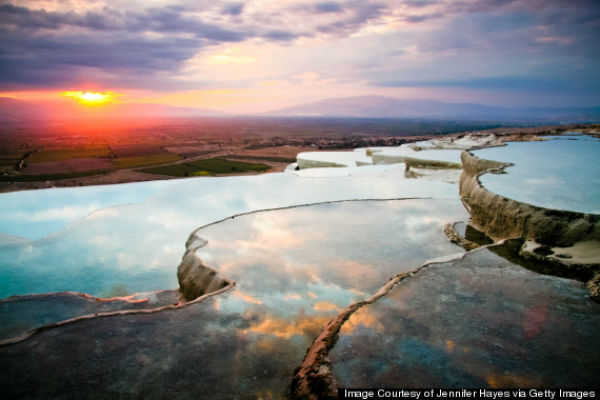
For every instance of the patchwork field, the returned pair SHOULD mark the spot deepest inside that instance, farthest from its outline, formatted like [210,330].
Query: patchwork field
[68,166]
[67,154]
[211,166]
[140,161]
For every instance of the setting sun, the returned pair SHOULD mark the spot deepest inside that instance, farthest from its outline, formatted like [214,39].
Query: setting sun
[91,98]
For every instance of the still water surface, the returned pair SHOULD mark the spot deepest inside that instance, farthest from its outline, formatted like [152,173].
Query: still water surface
[136,247]
[561,173]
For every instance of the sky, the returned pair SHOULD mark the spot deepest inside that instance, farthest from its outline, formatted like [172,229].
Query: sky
[260,55]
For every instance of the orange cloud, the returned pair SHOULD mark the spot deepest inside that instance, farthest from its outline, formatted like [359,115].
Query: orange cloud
[286,328]
[502,381]
[246,297]
[292,296]
[326,306]
[361,317]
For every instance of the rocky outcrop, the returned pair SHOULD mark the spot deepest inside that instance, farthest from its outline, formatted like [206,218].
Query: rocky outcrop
[470,141]
[380,157]
[456,238]
[306,163]
[593,286]
[412,162]
[501,217]
[195,278]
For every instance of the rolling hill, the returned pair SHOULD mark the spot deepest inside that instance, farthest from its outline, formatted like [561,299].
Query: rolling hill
[388,107]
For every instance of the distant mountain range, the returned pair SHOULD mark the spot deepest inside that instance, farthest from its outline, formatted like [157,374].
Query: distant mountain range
[388,107]
[349,107]
[18,110]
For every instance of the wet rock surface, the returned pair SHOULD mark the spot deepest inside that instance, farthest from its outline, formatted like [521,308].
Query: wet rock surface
[22,314]
[480,321]
[188,353]
[465,235]
[195,278]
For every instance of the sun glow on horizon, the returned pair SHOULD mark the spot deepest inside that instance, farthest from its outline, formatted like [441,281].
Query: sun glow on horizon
[91,98]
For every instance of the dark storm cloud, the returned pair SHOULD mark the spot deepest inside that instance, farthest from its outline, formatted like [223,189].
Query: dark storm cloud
[517,50]
[328,7]
[118,42]
[41,47]
[524,38]
[233,9]
[355,15]
[422,18]
[518,32]
[557,7]
[477,6]
[279,35]
[25,18]
[53,59]
[162,20]
[165,20]
[419,3]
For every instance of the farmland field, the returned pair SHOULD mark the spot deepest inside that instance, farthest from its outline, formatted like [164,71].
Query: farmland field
[265,158]
[51,177]
[8,160]
[67,154]
[209,166]
[68,166]
[140,161]
[137,150]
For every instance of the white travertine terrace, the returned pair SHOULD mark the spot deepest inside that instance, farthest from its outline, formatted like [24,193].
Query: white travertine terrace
[315,159]
[435,153]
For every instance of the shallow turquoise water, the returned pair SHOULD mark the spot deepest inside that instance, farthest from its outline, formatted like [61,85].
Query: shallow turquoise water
[137,247]
[303,261]
[561,173]
[89,257]
[33,214]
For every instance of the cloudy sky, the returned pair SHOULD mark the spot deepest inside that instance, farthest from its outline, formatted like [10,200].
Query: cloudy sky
[259,55]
